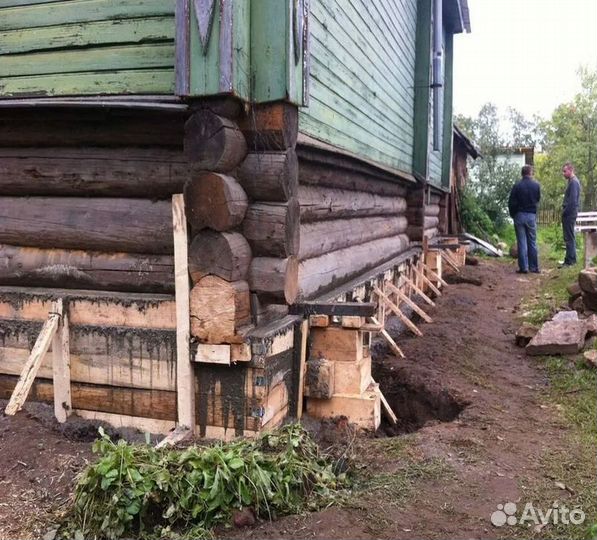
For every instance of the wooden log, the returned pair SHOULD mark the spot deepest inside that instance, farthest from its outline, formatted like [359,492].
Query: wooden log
[223,254]
[219,310]
[61,371]
[275,278]
[213,142]
[273,229]
[432,210]
[270,176]
[154,173]
[216,201]
[322,237]
[129,225]
[328,174]
[31,367]
[95,270]
[185,395]
[272,126]
[319,203]
[329,270]
[431,222]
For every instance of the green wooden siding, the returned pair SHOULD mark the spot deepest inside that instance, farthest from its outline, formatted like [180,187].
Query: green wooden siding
[86,47]
[362,78]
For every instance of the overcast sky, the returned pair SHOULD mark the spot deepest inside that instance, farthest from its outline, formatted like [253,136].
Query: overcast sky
[524,54]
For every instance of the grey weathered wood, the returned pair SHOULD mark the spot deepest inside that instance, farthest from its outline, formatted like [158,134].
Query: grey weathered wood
[61,371]
[98,224]
[273,278]
[182,42]
[273,229]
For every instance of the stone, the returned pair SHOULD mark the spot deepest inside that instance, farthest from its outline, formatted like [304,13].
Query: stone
[587,280]
[591,323]
[525,333]
[243,518]
[574,290]
[591,357]
[558,337]
[565,316]
[590,301]
[514,250]
[578,305]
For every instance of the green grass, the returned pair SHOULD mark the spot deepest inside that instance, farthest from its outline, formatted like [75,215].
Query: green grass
[571,394]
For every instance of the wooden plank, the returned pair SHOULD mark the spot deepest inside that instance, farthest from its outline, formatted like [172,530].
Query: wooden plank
[451,262]
[434,275]
[61,371]
[42,344]
[178,435]
[185,380]
[388,338]
[319,321]
[386,407]
[302,366]
[213,354]
[417,290]
[409,302]
[101,59]
[360,309]
[132,81]
[87,34]
[76,11]
[351,321]
[426,280]
[396,310]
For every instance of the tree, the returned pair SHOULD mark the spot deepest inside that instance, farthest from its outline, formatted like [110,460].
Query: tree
[571,135]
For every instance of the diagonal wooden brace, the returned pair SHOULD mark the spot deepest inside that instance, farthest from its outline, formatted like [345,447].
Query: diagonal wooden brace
[409,302]
[417,290]
[388,338]
[426,280]
[434,275]
[396,310]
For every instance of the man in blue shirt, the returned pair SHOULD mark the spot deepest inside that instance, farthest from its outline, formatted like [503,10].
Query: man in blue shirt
[522,204]
[570,208]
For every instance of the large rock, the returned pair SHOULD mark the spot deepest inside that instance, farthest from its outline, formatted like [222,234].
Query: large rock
[558,337]
[587,279]
[514,250]
[591,324]
[565,316]
[574,290]
[589,301]
[578,305]
[525,333]
[591,358]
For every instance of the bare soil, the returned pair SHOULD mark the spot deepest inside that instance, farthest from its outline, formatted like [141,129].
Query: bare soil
[467,397]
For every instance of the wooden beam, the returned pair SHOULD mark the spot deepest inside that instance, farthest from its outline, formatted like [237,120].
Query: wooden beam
[61,371]
[434,275]
[417,290]
[302,366]
[426,280]
[388,338]
[409,302]
[178,434]
[448,258]
[185,379]
[359,309]
[396,310]
[42,344]
[386,407]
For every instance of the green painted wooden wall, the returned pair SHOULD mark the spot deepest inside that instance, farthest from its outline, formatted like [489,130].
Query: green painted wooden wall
[86,47]
[363,77]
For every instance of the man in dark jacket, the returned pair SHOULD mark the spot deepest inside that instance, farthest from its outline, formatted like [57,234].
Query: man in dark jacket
[570,208]
[523,201]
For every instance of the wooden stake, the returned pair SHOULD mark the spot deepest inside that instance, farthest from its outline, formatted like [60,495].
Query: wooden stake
[396,310]
[178,434]
[302,367]
[450,261]
[61,371]
[426,280]
[418,291]
[185,377]
[409,302]
[434,275]
[42,344]
[388,338]
[386,406]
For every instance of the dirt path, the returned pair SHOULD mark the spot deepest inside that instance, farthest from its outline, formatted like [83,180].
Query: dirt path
[472,400]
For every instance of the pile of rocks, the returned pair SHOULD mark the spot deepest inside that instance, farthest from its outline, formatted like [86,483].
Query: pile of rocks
[583,294]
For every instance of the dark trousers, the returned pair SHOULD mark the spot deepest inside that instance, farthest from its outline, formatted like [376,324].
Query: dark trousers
[568,223]
[525,224]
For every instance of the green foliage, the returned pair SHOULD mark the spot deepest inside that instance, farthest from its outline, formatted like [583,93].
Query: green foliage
[474,218]
[139,491]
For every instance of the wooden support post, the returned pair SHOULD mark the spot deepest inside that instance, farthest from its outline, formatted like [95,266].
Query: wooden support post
[409,302]
[434,275]
[448,258]
[409,282]
[396,310]
[388,338]
[42,344]
[426,280]
[61,371]
[302,367]
[386,407]
[185,377]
